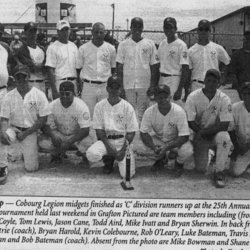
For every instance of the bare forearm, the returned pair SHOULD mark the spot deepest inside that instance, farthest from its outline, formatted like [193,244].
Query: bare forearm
[38,124]
[184,76]
[179,141]
[147,140]
[80,135]
[52,79]
[155,74]
[119,67]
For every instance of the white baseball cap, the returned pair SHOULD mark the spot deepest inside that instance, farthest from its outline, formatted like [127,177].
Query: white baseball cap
[61,24]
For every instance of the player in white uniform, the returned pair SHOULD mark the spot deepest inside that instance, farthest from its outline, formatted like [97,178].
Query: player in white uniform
[24,111]
[137,66]
[240,133]
[209,112]
[61,59]
[96,61]
[33,56]
[115,123]
[205,55]
[68,124]
[173,57]
[170,129]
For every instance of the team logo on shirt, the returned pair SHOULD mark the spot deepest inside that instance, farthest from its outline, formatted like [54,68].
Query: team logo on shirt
[85,115]
[230,108]
[214,110]
[74,118]
[33,105]
[105,57]
[119,119]
[213,54]
[184,55]
[171,53]
[171,125]
[145,51]
[157,58]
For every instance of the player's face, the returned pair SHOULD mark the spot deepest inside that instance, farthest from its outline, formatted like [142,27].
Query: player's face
[21,80]
[31,34]
[63,34]
[203,32]
[169,30]
[114,90]
[246,96]
[163,100]
[211,83]
[136,31]
[66,97]
[98,33]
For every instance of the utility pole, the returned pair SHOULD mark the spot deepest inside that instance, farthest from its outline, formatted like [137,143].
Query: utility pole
[113,19]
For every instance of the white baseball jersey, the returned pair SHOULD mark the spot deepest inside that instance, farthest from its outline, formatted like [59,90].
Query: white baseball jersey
[119,118]
[69,120]
[208,113]
[63,58]
[167,127]
[96,62]
[241,122]
[172,56]
[136,59]
[24,112]
[202,58]
[4,75]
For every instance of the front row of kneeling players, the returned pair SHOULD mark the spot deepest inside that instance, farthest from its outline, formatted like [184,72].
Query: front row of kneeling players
[164,130]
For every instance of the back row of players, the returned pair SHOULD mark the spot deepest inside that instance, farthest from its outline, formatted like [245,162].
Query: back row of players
[87,71]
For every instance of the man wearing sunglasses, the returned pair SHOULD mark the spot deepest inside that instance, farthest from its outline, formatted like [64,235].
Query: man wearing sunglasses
[68,124]
[205,55]
[115,123]
[240,133]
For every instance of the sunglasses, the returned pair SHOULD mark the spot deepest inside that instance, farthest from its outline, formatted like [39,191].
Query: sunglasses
[65,93]
[204,29]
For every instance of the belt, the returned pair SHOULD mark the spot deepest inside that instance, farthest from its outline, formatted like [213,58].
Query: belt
[198,81]
[3,87]
[95,82]
[35,80]
[167,75]
[68,78]
[115,137]
[21,129]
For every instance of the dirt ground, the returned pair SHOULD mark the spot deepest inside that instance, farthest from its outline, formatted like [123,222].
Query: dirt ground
[74,179]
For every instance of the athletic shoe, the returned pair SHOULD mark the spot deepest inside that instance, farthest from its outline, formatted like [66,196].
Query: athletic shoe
[220,180]
[108,164]
[3,175]
[158,164]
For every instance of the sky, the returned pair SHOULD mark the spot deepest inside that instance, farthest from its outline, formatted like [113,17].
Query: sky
[186,12]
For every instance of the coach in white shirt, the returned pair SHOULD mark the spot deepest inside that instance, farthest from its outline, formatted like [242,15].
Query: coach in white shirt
[95,64]
[61,59]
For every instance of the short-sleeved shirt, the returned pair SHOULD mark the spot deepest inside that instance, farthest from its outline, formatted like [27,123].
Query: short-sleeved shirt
[241,122]
[136,57]
[168,127]
[172,56]
[119,118]
[202,58]
[24,112]
[69,120]
[63,58]
[208,113]
[96,62]
[4,75]
[240,65]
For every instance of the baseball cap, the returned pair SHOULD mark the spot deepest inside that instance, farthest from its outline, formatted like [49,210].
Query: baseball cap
[245,85]
[61,24]
[21,69]
[136,20]
[113,80]
[29,26]
[67,86]
[171,21]
[214,72]
[162,89]
[1,28]
[204,23]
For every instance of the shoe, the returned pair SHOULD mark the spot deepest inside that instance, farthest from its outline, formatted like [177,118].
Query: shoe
[158,164]
[108,164]
[55,160]
[85,161]
[178,168]
[220,180]
[3,175]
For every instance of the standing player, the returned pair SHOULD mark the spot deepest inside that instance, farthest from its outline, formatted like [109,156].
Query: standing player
[209,112]
[173,57]
[137,66]
[240,134]
[61,59]
[96,61]
[169,124]
[205,55]
[115,124]
[24,111]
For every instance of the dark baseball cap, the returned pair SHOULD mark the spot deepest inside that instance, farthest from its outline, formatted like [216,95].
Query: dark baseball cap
[245,85]
[214,72]
[162,89]
[1,28]
[21,69]
[29,26]
[170,21]
[114,80]
[67,86]
[136,20]
[204,23]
